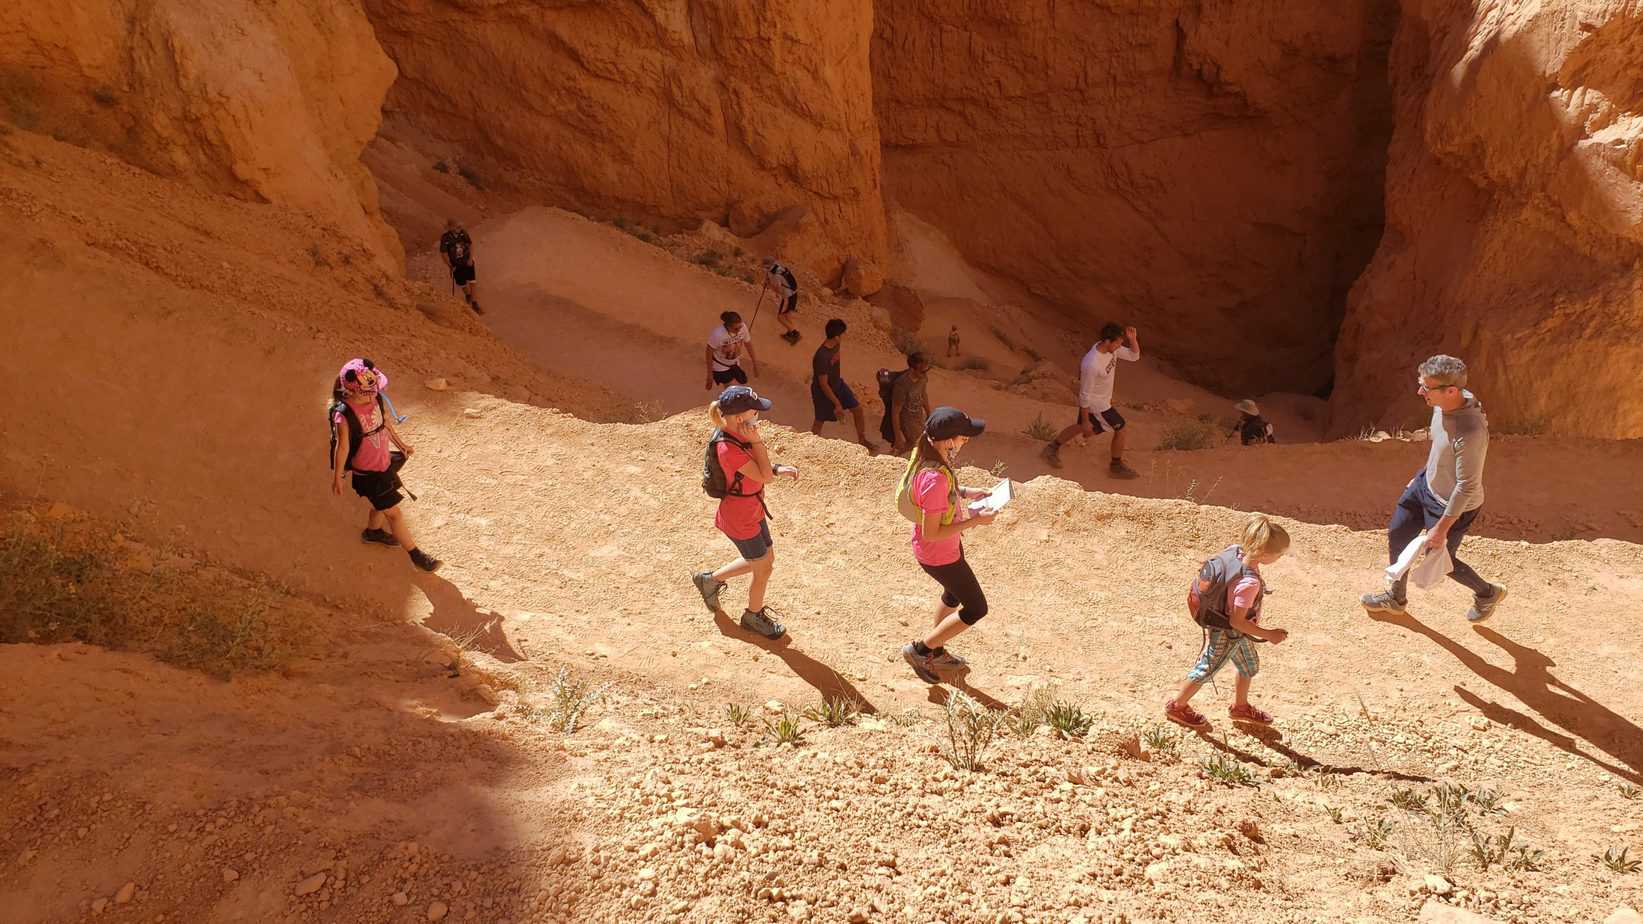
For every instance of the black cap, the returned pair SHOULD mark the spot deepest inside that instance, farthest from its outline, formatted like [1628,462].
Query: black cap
[944,423]
[739,398]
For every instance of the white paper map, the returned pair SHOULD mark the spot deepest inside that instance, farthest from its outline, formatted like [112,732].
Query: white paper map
[995,499]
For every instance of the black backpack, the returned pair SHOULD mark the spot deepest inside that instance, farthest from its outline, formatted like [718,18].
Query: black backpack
[713,474]
[887,385]
[1207,595]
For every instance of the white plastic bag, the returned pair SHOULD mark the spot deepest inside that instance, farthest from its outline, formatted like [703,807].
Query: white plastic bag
[1425,570]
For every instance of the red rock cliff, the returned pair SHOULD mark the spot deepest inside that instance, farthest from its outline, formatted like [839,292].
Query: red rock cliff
[1209,171]
[1514,205]
[273,100]
[663,109]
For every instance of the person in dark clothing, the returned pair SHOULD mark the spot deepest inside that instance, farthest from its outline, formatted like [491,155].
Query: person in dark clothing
[1251,426]
[458,249]
[829,393]
[781,279]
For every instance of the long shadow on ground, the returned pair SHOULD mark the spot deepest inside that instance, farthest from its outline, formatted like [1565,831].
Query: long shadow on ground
[828,682]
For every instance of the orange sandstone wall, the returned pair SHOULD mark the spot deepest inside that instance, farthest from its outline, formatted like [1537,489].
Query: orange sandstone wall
[1514,203]
[272,100]
[661,109]
[1209,171]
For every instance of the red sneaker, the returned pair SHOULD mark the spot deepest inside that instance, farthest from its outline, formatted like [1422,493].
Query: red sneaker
[1249,714]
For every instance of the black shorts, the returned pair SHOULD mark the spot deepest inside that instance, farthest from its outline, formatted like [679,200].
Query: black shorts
[733,374]
[380,488]
[462,273]
[1108,420]
[788,305]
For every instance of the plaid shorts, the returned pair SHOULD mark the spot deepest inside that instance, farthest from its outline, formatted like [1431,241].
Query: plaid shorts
[1221,646]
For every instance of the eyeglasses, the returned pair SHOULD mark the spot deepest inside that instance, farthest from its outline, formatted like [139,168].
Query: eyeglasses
[1424,388]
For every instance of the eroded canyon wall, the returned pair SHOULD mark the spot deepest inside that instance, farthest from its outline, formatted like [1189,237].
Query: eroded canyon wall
[1514,220]
[1209,171]
[671,110]
[272,100]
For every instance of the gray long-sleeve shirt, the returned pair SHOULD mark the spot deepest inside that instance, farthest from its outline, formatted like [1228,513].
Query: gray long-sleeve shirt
[1454,467]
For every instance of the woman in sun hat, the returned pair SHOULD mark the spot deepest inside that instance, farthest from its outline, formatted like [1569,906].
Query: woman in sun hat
[1251,426]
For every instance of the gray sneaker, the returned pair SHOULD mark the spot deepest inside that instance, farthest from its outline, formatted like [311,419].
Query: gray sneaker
[1051,454]
[921,664]
[709,588]
[1117,469]
[1384,602]
[1483,608]
[947,661]
[761,623]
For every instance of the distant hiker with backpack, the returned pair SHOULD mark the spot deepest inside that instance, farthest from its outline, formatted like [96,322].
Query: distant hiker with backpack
[458,250]
[781,279]
[1095,411]
[1251,426]
[1225,599]
[736,469]
[930,496]
[828,393]
[1445,496]
[906,402]
[362,429]
[952,342]
[725,346]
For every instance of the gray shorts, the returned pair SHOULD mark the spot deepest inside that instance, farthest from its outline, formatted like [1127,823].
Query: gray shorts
[755,548]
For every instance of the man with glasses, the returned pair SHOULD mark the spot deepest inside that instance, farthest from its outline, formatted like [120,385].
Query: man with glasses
[1445,497]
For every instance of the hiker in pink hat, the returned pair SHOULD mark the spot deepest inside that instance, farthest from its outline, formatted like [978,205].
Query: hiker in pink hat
[362,443]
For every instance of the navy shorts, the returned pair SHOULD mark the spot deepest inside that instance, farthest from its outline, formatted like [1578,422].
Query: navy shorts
[755,548]
[824,407]
[733,374]
[462,273]
[1108,420]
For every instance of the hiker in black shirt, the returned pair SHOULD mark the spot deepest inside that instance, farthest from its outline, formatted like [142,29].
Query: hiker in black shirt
[1251,426]
[458,249]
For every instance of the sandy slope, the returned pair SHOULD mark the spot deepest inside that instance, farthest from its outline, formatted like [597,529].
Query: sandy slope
[203,333]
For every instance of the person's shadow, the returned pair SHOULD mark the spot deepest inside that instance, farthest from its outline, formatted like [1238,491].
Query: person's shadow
[831,684]
[958,680]
[1531,681]
[456,617]
[1273,740]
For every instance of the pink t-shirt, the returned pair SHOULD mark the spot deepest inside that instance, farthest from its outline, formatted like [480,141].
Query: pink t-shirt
[373,452]
[930,488]
[738,517]
[1244,592]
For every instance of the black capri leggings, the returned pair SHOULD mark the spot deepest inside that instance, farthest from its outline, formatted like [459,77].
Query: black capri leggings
[960,588]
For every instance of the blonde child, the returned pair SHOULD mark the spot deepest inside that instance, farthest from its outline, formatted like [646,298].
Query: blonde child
[1238,608]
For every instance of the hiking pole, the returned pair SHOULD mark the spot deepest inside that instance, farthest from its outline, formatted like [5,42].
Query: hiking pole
[759,304]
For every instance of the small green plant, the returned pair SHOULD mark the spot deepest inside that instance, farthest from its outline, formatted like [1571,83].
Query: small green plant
[1068,719]
[442,167]
[1617,862]
[1492,850]
[1160,740]
[1487,801]
[709,258]
[738,714]
[1188,435]
[1408,800]
[973,363]
[1524,857]
[786,728]
[569,698]
[1334,813]
[1029,715]
[970,730]
[906,718]
[1326,781]
[1225,770]
[999,469]
[1040,429]
[1375,833]
[1630,792]
[834,712]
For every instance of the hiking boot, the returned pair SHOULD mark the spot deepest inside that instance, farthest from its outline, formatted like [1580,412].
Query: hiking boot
[379,536]
[942,659]
[921,664]
[1384,602]
[1249,715]
[1051,454]
[761,623]
[425,561]
[1185,716]
[1484,607]
[709,588]
[476,308]
[1119,470]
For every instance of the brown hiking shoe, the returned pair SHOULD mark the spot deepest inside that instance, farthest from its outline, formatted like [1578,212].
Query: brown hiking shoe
[1119,470]
[1052,454]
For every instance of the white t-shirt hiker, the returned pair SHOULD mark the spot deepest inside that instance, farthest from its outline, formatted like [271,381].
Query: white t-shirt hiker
[726,346]
[1096,375]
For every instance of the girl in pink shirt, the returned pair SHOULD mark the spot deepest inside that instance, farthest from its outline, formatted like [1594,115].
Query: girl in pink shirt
[373,464]
[1263,543]
[936,546]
